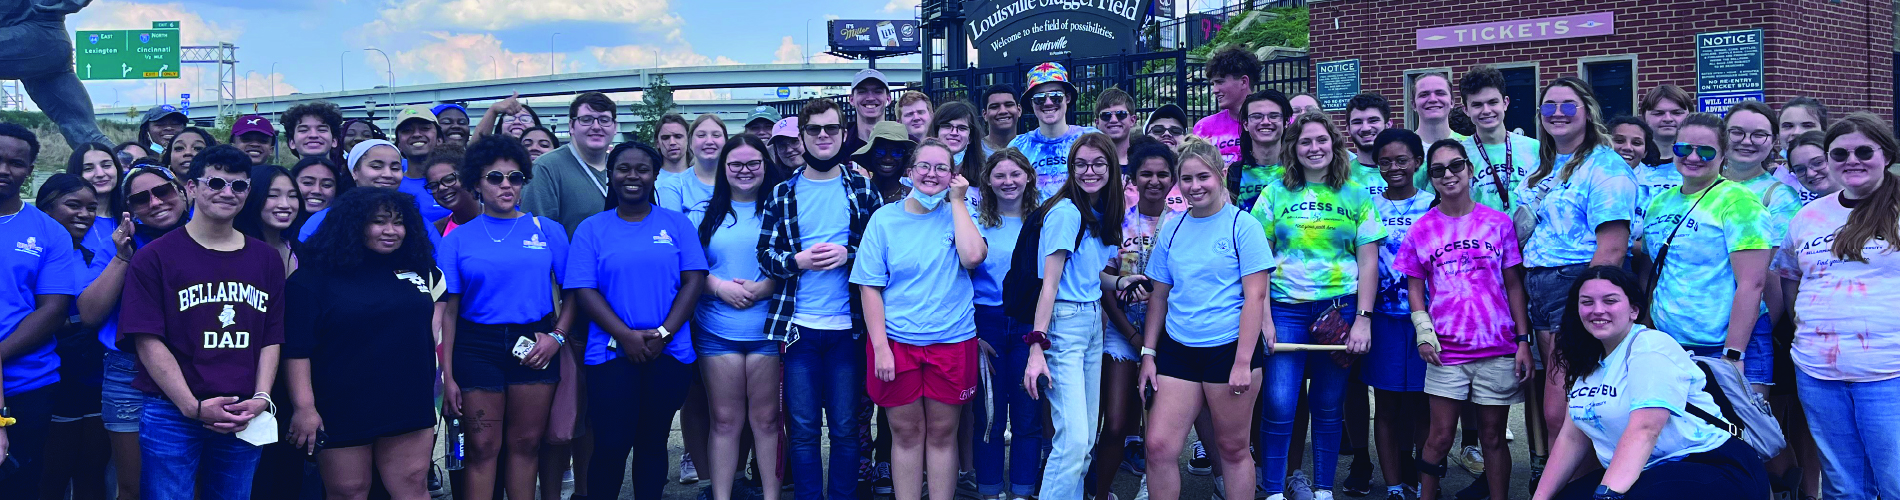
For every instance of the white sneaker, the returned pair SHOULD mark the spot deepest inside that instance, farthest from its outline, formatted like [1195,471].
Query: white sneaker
[1141,490]
[688,473]
[1276,496]
[1220,488]
[1323,495]
[1298,487]
[1472,459]
[1508,435]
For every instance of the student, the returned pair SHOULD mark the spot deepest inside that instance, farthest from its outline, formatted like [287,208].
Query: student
[129,151]
[499,293]
[538,141]
[98,165]
[739,365]
[870,93]
[1368,114]
[884,157]
[1500,159]
[507,117]
[639,269]
[270,212]
[688,194]
[313,127]
[1151,180]
[1067,311]
[760,122]
[207,281]
[1664,107]
[1260,153]
[670,139]
[1115,117]
[360,322]
[1393,367]
[1749,143]
[255,136]
[1230,76]
[957,124]
[1807,162]
[1846,240]
[373,163]
[1195,351]
[1333,271]
[573,177]
[417,134]
[788,152]
[1431,99]
[453,118]
[1632,388]
[159,125]
[811,226]
[1799,115]
[319,180]
[922,356]
[1303,103]
[74,406]
[1048,146]
[914,110]
[1581,197]
[1167,124]
[1009,193]
[359,130]
[1708,292]
[449,191]
[1001,111]
[45,271]
[1632,139]
[184,146]
[1474,339]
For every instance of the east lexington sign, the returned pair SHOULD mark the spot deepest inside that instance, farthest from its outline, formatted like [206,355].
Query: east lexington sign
[1522,30]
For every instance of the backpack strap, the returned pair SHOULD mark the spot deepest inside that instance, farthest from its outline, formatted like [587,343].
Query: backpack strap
[1734,424]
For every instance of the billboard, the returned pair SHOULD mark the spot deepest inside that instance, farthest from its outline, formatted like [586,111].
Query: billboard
[869,37]
[1033,31]
[127,54]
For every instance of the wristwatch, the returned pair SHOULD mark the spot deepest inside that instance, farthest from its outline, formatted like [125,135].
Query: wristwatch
[1037,338]
[1733,354]
[1521,339]
[6,418]
[664,333]
[558,337]
[1147,351]
[1365,313]
[1605,493]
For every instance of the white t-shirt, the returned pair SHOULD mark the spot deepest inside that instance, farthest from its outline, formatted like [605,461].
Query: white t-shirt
[1648,370]
[1845,328]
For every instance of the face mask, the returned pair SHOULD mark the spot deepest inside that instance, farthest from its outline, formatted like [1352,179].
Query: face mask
[929,201]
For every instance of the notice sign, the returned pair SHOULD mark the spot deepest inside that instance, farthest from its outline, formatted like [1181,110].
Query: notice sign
[1728,69]
[1338,82]
[1522,30]
[1035,31]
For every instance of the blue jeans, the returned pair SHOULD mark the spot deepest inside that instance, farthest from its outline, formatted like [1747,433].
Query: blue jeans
[180,456]
[823,378]
[1284,374]
[1074,395]
[1860,442]
[1012,410]
[634,404]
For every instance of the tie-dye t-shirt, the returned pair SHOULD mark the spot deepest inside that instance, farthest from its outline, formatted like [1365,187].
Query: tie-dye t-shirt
[1138,243]
[1316,232]
[1788,178]
[1697,285]
[1398,216]
[1845,328]
[1462,260]
[1368,177]
[1049,157]
[1652,180]
[1248,180]
[1601,190]
[1782,202]
[1497,163]
[1224,131]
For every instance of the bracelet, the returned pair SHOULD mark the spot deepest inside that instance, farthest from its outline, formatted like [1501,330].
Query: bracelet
[1147,351]
[264,396]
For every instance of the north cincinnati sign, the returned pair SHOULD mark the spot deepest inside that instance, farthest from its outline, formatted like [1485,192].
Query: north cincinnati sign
[1046,30]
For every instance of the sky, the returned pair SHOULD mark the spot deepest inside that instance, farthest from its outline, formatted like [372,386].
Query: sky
[290,46]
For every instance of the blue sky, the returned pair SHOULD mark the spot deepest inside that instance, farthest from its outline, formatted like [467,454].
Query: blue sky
[431,41]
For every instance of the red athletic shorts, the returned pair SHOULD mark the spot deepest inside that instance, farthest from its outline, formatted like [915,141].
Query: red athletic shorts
[943,372]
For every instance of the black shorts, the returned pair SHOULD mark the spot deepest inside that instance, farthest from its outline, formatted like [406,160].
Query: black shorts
[1207,365]
[81,371]
[485,361]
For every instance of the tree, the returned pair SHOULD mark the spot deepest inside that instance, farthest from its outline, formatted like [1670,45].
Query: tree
[654,103]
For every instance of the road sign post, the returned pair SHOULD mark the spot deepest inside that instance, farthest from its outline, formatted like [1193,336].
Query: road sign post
[127,54]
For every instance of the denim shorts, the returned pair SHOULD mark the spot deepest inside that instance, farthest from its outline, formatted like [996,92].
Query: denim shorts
[485,360]
[1759,362]
[1548,289]
[122,406]
[710,345]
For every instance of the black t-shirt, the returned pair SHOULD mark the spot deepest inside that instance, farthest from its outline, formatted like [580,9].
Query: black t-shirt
[367,334]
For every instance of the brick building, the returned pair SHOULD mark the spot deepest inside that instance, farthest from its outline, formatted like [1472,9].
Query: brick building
[1839,51]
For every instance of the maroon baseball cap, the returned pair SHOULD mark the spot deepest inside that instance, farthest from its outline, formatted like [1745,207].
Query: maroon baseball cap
[252,123]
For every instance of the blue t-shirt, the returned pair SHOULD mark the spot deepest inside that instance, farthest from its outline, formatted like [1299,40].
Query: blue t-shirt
[1049,157]
[1204,259]
[501,267]
[1600,191]
[1398,215]
[419,188]
[1081,279]
[733,253]
[99,241]
[1001,240]
[1646,370]
[310,224]
[683,193]
[41,259]
[928,298]
[636,266]
[824,297]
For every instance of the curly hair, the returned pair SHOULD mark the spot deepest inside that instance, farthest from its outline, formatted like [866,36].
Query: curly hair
[323,110]
[1234,61]
[338,244]
[486,152]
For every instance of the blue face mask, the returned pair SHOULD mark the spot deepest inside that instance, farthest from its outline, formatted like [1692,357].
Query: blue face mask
[929,201]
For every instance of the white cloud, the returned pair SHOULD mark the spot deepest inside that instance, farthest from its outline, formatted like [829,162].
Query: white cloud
[255,84]
[790,52]
[503,14]
[900,6]
[117,15]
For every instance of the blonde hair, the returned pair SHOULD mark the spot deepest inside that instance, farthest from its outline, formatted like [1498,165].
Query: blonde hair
[1594,135]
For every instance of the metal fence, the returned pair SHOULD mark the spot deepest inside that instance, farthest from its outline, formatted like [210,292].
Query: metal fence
[1152,79]
[789,108]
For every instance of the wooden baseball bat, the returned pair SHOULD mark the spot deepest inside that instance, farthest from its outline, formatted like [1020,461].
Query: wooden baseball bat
[1291,347]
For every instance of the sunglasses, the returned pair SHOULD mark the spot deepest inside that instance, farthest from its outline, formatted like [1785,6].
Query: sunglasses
[1050,97]
[495,177]
[816,130]
[218,184]
[1566,109]
[447,180]
[1454,166]
[1684,150]
[1864,153]
[1113,116]
[1168,130]
[160,191]
[889,153]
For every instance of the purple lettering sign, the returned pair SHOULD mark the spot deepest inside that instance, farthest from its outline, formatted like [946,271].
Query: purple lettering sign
[1523,30]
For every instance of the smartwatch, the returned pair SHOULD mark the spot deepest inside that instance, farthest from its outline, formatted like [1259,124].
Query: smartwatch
[558,337]
[1733,354]
[1521,339]
[664,333]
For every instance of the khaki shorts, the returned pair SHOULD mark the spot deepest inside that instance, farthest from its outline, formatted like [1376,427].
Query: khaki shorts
[1490,381]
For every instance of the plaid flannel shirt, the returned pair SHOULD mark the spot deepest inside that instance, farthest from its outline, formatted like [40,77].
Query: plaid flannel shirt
[780,240]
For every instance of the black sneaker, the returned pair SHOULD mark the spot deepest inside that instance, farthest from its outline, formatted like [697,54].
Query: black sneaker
[1359,480]
[1394,495]
[1480,489]
[881,480]
[1200,465]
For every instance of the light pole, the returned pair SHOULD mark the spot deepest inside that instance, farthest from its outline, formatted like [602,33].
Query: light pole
[807,46]
[551,52]
[272,77]
[496,65]
[389,74]
[340,85]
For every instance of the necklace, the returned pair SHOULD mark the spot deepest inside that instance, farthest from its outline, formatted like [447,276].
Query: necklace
[16,213]
[491,233]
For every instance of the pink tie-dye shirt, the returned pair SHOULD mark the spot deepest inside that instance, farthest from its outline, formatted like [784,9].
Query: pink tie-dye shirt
[1462,261]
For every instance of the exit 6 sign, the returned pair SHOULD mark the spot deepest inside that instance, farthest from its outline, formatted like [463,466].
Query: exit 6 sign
[127,54]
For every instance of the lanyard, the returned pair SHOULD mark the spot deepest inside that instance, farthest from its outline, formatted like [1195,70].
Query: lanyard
[1504,192]
[589,170]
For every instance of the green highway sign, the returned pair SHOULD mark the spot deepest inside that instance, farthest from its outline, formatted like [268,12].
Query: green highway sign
[127,54]
[164,25]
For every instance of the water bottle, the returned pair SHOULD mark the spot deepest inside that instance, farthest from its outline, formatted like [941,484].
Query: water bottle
[455,444]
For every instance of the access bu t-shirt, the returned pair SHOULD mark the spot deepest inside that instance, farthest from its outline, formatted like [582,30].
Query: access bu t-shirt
[1462,260]
[1647,370]
[214,310]
[1696,286]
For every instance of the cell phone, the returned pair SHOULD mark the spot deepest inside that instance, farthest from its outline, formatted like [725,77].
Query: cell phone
[1148,397]
[522,346]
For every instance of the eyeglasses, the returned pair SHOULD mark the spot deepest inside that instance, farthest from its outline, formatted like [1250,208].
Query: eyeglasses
[446,180]
[961,129]
[1270,117]
[816,130]
[1736,135]
[1554,109]
[1683,149]
[1087,166]
[1166,130]
[1865,153]
[1454,166]
[745,166]
[524,117]
[218,184]
[516,177]
[161,191]
[941,168]
[1803,168]
[1051,97]
[1394,161]
[589,121]
[1113,116]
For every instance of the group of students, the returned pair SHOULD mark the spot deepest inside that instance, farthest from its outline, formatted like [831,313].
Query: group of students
[1021,315]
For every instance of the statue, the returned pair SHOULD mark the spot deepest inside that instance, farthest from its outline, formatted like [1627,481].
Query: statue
[36,49]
